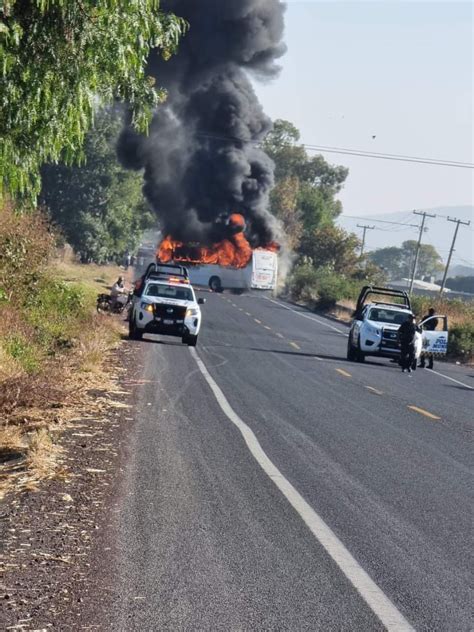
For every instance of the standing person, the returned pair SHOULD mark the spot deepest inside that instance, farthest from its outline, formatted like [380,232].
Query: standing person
[430,326]
[406,337]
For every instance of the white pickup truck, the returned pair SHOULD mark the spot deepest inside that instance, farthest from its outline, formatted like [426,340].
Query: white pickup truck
[165,303]
[374,330]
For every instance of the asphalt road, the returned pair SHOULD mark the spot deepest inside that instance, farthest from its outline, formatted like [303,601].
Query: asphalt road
[209,541]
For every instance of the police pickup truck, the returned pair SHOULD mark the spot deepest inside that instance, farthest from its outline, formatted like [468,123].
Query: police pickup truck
[374,330]
[164,303]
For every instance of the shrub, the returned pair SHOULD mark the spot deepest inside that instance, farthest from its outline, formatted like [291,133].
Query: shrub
[26,245]
[302,283]
[461,341]
[321,285]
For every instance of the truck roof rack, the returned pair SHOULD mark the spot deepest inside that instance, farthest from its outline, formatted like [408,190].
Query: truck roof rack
[381,291]
[166,270]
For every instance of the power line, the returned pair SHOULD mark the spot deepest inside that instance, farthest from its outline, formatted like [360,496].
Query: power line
[384,156]
[382,221]
[350,152]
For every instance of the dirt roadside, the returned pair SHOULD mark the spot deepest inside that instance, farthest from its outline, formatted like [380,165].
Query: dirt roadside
[51,539]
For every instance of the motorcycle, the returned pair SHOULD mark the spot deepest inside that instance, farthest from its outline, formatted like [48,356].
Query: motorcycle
[105,303]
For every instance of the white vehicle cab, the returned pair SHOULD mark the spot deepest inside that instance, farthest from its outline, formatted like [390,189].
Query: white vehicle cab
[165,303]
[374,330]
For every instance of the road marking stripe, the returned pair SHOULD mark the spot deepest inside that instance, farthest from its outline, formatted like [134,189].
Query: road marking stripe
[241,309]
[424,412]
[446,377]
[342,372]
[374,390]
[267,327]
[258,321]
[293,344]
[248,314]
[374,597]
[316,320]
[279,335]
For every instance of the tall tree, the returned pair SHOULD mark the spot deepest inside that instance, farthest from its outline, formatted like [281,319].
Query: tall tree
[398,262]
[333,248]
[318,181]
[388,259]
[98,205]
[58,58]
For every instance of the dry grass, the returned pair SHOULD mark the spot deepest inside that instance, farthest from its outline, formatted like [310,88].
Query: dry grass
[98,278]
[35,407]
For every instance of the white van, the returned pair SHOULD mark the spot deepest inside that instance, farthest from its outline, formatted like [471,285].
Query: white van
[260,274]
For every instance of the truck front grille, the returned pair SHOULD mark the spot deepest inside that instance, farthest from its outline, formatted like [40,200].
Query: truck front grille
[172,312]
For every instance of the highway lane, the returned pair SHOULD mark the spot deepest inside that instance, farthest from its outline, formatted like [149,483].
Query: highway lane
[391,482]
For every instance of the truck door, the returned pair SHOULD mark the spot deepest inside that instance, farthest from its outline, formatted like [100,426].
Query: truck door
[435,341]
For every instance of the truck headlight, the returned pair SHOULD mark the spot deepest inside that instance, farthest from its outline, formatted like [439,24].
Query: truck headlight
[192,311]
[148,307]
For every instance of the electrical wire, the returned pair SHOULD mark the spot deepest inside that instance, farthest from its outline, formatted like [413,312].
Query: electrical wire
[350,152]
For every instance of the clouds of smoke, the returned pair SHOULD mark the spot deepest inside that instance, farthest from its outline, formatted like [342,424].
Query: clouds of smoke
[200,159]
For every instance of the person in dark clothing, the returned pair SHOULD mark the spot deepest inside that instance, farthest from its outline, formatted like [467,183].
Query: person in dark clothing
[406,337]
[430,326]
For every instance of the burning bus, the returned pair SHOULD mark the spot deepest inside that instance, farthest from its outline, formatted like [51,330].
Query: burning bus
[228,264]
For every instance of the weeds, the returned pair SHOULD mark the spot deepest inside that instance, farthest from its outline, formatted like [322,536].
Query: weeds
[50,335]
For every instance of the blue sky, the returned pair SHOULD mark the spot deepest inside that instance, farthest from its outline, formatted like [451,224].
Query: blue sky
[401,71]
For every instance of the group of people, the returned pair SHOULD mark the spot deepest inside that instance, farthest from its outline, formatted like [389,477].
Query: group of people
[407,335]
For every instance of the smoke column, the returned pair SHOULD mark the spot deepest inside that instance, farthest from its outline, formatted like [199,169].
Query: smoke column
[200,160]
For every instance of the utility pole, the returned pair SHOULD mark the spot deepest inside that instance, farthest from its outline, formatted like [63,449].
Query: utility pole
[365,228]
[457,222]
[422,228]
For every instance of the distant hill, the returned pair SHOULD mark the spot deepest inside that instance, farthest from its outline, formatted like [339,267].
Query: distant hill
[439,233]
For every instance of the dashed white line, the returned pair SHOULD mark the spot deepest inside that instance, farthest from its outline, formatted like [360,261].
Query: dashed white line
[374,597]
[316,320]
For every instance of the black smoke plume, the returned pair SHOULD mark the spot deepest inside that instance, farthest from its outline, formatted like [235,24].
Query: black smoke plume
[201,160]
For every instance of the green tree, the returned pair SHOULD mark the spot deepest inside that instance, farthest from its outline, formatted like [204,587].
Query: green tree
[332,248]
[429,260]
[284,202]
[318,181]
[58,58]
[398,262]
[99,205]
[388,259]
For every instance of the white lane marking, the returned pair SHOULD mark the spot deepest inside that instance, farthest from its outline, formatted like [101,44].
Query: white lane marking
[375,598]
[316,320]
[446,377]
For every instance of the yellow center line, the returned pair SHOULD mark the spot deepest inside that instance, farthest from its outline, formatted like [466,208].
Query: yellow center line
[258,321]
[344,373]
[279,335]
[293,344]
[424,412]
[267,327]
[374,390]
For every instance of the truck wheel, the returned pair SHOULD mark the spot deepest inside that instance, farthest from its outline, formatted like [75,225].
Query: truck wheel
[133,332]
[215,284]
[360,356]
[190,340]
[351,352]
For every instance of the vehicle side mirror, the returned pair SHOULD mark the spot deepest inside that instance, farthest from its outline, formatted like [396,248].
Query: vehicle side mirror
[201,301]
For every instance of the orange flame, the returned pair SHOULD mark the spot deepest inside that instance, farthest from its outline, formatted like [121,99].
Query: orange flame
[234,252]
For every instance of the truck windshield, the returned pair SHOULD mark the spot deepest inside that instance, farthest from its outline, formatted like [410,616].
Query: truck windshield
[387,316]
[169,291]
